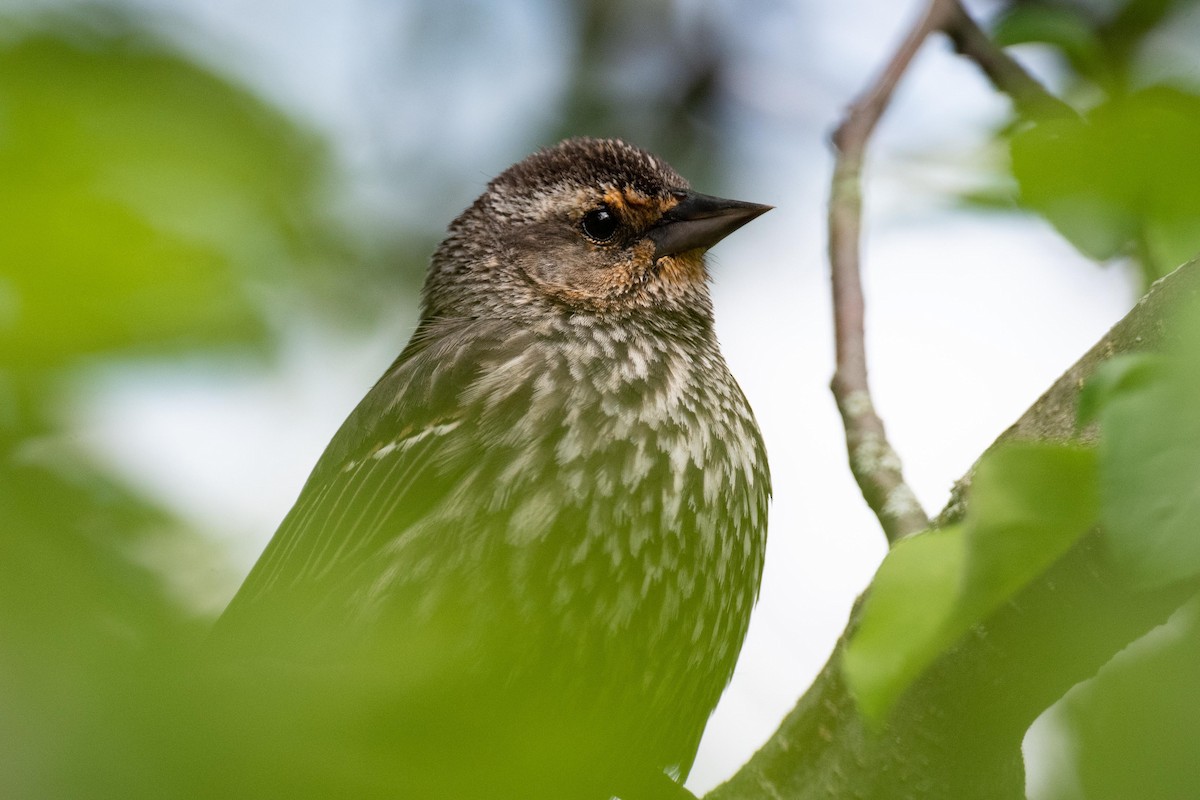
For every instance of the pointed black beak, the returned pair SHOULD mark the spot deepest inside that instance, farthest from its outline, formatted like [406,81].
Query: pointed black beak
[699,221]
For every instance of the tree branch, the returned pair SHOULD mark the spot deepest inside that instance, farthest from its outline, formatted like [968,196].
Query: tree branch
[873,461]
[875,465]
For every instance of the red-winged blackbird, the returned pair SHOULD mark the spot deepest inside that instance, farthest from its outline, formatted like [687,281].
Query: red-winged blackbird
[543,528]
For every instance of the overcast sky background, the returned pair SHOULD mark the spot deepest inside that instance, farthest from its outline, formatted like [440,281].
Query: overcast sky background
[970,315]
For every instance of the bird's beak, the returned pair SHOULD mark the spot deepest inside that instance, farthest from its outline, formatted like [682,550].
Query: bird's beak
[699,221]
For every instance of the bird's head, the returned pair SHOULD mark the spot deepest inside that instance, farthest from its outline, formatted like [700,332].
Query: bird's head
[588,226]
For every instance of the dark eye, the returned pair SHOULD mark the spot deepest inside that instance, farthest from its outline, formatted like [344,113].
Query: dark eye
[600,224]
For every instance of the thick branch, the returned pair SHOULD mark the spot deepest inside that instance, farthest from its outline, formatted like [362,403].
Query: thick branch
[957,732]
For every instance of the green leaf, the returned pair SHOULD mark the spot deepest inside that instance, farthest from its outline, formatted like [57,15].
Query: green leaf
[904,619]
[1064,28]
[1061,170]
[1150,467]
[1118,374]
[145,202]
[1121,181]
[1133,727]
[1029,503]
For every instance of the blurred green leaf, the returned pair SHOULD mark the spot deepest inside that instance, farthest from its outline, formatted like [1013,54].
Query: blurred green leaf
[1150,463]
[1119,374]
[1065,28]
[904,618]
[145,207]
[1121,181]
[142,199]
[75,608]
[1133,728]
[1029,503]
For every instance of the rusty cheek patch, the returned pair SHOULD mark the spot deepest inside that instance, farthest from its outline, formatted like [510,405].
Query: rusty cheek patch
[682,268]
[596,282]
[679,270]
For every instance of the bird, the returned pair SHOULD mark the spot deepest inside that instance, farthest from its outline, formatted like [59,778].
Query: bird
[543,529]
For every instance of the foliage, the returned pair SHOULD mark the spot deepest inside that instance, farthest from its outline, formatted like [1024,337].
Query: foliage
[1150,464]
[1029,503]
[140,193]
[1116,181]
[1134,726]
[144,206]
[1121,180]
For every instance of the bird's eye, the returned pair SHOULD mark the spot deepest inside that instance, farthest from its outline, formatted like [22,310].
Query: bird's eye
[600,224]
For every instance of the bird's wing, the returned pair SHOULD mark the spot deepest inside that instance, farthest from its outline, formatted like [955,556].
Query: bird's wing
[389,474]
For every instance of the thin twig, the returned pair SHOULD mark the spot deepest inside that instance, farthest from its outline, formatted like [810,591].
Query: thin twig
[874,463]
[1030,98]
